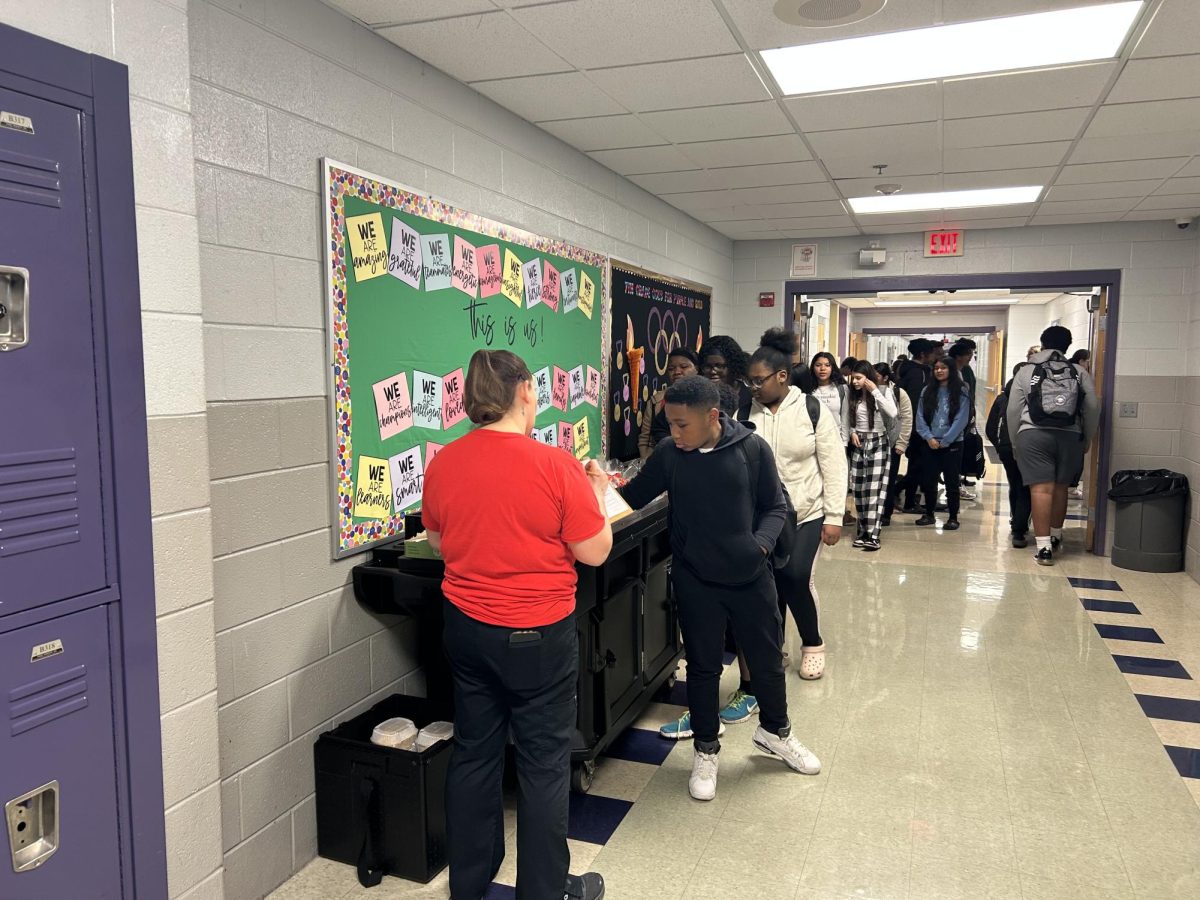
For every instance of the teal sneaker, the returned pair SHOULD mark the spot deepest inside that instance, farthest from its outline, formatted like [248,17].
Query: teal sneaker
[681,728]
[740,707]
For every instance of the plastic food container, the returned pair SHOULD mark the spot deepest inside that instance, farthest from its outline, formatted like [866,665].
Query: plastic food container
[433,733]
[400,734]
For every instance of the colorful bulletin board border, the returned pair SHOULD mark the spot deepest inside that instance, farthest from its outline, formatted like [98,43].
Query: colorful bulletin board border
[342,181]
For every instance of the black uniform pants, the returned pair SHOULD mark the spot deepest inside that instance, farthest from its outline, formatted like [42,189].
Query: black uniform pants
[947,462]
[502,683]
[1020,506]
[895,484]
[753,611]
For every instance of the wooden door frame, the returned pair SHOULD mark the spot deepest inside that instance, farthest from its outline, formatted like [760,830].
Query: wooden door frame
[1017,281]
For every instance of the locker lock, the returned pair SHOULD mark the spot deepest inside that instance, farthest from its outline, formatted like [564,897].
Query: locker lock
[14,307]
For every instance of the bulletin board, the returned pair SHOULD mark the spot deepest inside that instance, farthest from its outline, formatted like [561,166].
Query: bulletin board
[652,314]
[415,287]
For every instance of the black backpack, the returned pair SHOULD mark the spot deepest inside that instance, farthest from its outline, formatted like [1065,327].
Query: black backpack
[1055,393]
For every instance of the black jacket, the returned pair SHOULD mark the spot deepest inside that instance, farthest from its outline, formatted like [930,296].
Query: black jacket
[996,428]
[722,527]
[912,378]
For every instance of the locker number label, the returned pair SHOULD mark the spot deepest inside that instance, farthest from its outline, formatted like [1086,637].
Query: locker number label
[45,651]
[16,122]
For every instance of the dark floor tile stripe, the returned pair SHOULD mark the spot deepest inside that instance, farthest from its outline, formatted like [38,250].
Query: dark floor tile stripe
[594,818]
[1111,606]
[1128,633]
[640,745]
[1145,665]
[1186,759]
[1173,708]
[1096,584]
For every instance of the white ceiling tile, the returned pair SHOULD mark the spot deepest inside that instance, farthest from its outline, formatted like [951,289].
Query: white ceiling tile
[1142,118]
[865,187]
[594,33]
[1019,156]
[1061,88]
[842,221]
[678,182]
[1180,186]
[990,212]
[745,176]
[763,31]
[702,201]
[731,230]
[1157,215]
[710,123]
[1102,190]
[906,149]
[395,12]
[1158,79]
[1192,169]
[1077,207]
[1172,31]
[747,151]
[1136,146]
[466,47]
[949,221]
[801,210]
[1079,219]
[961,181]
[675,85]
[604,132]
[727,213]
[568,95]
[820,232]
[1120,171]
[787,193]
[642,160]
[1015,128]
[864,109]
[1171,201]
[872,229]
[914,219]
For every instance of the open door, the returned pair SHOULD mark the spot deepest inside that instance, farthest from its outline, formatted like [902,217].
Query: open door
[995,376]
[1098,339]
[858,345]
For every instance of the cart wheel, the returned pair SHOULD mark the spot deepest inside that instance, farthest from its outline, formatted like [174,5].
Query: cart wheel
[582,776]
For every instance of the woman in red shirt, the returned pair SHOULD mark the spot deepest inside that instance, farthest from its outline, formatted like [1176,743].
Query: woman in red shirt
[511,518]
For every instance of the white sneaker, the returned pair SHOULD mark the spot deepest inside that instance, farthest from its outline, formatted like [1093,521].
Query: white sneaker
[789,749]
[703,783]
[966,494]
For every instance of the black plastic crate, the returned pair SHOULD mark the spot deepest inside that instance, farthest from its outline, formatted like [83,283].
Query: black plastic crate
[406,789]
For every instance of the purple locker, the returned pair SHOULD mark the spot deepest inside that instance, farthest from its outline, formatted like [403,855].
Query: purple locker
[61,801]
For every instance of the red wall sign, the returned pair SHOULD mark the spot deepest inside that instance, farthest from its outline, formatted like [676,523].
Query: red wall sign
[944,243]
[766,298]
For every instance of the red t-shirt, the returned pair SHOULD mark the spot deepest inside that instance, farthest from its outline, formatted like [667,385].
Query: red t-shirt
[506,508]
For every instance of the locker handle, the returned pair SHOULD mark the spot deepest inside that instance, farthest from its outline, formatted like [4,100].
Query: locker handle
[33,827]
[14,307]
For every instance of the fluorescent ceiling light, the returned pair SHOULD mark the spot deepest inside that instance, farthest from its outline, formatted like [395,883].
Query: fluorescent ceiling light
[945,51]
[945,200]
[941,290]
[994,301]
[909,302]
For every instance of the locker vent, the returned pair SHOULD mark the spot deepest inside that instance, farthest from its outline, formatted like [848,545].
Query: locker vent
[47,699]
[30,179]
[39,506]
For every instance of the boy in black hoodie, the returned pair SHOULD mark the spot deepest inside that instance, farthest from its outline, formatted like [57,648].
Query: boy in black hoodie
[727,511]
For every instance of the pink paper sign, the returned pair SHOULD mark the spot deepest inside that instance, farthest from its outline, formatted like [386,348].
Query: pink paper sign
[454,400]
[560,391]
[591,390]
[566,437]
[550,285]
[464,276]
[487,261]
[393,408]
[432,450]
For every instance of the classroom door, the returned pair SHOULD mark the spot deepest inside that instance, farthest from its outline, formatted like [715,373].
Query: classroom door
[995,369]
[858,345]
[51,518]
[1098,341]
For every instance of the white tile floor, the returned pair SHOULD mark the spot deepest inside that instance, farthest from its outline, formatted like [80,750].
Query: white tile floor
[978,742]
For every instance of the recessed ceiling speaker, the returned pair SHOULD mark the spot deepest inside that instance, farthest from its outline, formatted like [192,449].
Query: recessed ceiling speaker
[826,13]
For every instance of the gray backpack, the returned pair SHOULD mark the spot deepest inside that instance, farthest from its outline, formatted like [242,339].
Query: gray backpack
[1055,393]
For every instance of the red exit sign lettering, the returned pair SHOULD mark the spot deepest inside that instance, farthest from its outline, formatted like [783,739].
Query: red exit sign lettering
[944,243]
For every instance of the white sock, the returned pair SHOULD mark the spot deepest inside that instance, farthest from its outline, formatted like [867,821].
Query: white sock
[1056,533]
[1043,543]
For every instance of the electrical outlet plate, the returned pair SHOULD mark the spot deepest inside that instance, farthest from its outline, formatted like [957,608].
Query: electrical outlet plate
[1129,410]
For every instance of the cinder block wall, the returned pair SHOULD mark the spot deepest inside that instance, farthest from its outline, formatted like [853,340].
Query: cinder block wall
[151,37]
[1158,330]
[275,86]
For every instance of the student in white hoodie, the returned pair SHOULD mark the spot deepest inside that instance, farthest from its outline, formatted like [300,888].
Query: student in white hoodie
[809,453]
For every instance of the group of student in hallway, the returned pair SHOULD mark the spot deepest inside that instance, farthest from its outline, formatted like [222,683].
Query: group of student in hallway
[756,454]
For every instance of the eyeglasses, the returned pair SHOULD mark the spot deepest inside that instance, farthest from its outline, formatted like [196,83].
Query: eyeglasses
[759,382]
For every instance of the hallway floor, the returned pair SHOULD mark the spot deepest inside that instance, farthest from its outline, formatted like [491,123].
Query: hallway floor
[988,729]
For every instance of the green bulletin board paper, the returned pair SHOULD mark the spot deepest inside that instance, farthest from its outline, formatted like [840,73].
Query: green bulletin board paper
[401,331]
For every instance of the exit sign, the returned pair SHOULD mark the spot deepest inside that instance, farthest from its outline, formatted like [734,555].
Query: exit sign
[944,243]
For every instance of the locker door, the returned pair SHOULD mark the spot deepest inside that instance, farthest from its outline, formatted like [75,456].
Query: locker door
[51,519]
[58,728]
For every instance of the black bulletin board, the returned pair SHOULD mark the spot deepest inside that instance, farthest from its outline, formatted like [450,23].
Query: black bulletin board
[659,313]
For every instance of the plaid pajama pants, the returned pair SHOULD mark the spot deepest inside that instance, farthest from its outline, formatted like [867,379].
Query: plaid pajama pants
[869,468]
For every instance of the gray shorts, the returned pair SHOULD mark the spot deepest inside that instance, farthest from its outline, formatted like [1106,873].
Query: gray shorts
[1047,455]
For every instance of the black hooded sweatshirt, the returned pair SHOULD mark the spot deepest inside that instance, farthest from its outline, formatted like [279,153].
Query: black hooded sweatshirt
[722,527]
[912,378]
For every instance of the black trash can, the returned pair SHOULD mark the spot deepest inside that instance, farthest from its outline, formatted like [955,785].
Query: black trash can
[1151,515]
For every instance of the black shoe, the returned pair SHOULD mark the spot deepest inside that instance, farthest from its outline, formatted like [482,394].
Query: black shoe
[870,545]
[952,525]
[911,510]
[1019,541]
[886,522]
[1045,557]
[941,507]
[589,886]
[1056,544]
[926,520]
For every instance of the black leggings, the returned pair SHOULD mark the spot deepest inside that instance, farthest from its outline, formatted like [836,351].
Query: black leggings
[947,462]
[795,582]
[895,484]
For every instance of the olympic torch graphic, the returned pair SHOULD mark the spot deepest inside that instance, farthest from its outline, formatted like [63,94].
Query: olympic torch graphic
[634,355]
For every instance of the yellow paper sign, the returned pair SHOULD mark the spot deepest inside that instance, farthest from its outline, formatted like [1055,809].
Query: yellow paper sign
[512,283]
[583,444]
[587,294]
[368,246]
[373,490]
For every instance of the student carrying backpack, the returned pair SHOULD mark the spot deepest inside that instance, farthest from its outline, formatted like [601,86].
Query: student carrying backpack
[1018,492]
